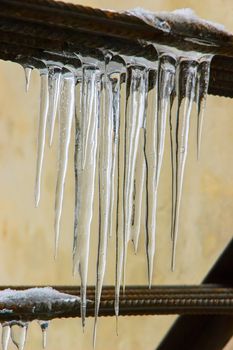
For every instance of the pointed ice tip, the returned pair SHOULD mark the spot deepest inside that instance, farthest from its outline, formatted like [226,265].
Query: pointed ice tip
[50,142]
[37,199]
[94,334]
[117,328]
[173,262]
[83,316]
[150,277]
[56,248]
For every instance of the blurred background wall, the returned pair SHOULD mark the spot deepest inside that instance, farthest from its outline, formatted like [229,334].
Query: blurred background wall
[26,233]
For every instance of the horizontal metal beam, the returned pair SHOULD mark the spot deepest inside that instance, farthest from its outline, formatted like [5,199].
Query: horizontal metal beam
[159,300]
[31,28]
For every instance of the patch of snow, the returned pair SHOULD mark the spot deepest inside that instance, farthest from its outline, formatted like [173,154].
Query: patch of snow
[161,19]
[34,296]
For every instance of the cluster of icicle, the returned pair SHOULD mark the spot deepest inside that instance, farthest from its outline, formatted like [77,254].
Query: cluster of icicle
[119,144]
[17,332]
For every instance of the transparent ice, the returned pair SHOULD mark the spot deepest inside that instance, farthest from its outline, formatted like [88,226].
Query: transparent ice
[121,107]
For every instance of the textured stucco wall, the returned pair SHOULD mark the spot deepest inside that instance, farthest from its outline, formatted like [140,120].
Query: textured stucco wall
[26,233]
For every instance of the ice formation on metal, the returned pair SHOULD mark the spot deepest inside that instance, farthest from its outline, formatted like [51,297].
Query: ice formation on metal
[120,145]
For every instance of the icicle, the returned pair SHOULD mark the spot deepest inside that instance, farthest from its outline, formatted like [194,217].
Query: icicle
[54,93]
[66,116]
[186,92]
[105,165]
[151,165]
[44,327]
[203,73]
[84,188]
[172,154]
[120,227]
[18,334]
[134,121]
[6,332]
[115,79]
[44,104]
[27,72]
[156,129]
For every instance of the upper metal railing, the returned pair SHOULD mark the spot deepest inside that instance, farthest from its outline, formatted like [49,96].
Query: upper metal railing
[30,28]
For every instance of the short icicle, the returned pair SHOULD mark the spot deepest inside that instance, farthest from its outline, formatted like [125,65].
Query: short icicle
[67,104]
[134,122]
[203,73]
[44,328]
[187,72]
[6,333]
[44,105]
[27,72]
[19,334]
[84,190]
[54,93]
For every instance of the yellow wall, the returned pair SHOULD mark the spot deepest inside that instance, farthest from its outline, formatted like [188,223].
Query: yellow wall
[26,233]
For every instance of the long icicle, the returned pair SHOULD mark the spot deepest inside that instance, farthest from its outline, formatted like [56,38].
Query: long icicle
[54,93]
[186,93]
[67,104]
[44,105]
[203,73]
[172,154]
[150,150]
[120,221]
[166,74]
[84,188]
[134,122]
[105,165]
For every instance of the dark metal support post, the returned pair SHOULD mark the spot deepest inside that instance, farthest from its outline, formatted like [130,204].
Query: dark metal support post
[205,332]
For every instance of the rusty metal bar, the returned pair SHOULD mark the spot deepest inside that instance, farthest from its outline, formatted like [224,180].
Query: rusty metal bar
[31,28]
[194,300]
